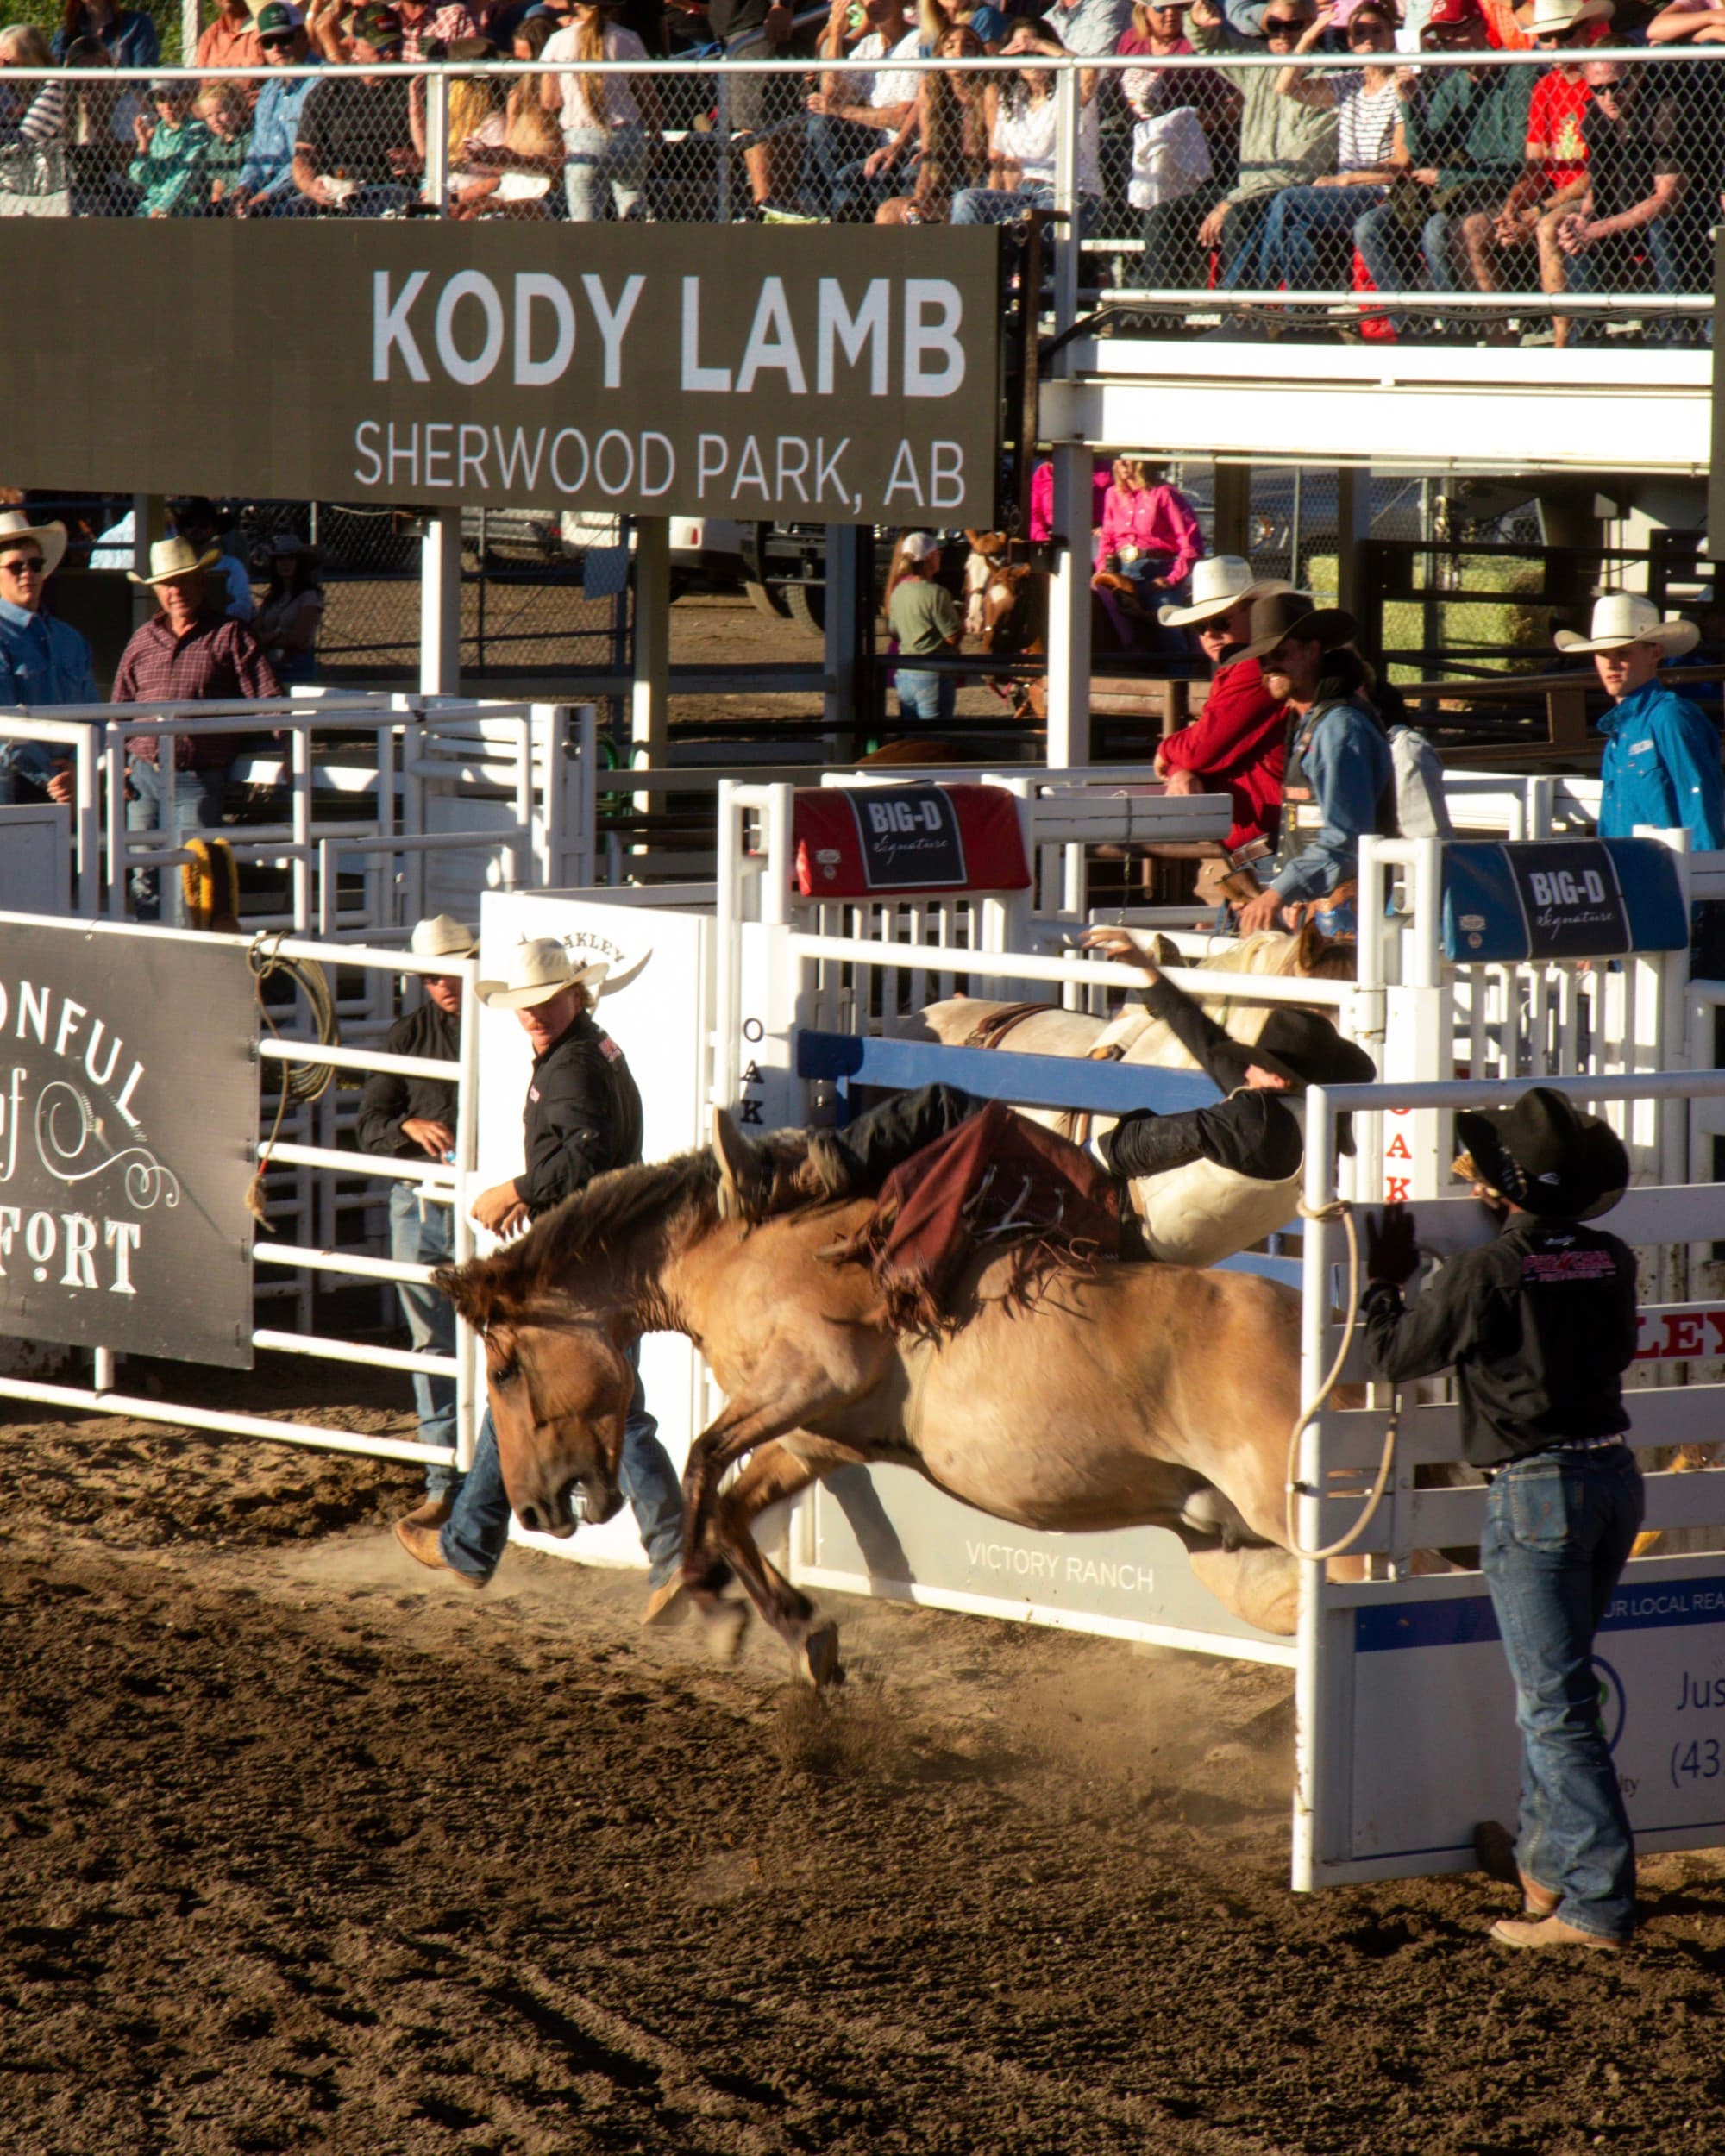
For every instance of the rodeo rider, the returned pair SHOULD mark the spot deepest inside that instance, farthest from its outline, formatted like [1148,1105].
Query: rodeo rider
[582,1117]
[1539,1327]
[1207,1181]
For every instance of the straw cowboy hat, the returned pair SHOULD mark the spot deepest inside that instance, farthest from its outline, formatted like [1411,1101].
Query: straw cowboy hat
[539,970]
[170,558]
[443,937]
[1546,1156]
[1220,582]
[15,524]
[1621,618]
[1550,18]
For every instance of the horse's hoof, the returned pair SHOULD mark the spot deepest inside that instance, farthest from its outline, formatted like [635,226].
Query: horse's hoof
[724,1624]
[818,1658]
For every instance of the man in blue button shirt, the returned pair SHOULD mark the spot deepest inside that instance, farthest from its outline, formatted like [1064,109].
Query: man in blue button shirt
[266,187]
[42,661]
[1662,764]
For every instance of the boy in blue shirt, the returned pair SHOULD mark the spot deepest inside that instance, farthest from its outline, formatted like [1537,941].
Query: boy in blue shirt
[1662,762]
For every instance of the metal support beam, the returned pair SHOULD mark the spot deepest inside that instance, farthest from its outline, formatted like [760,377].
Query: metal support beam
[1233,532]
[1069,610]
[1353,529]
[845,627]
[440,603]
[649,698]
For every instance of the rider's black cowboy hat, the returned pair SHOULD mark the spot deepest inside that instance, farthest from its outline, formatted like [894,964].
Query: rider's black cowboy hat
[1544,1155]
[1303,1048]
[1278,615]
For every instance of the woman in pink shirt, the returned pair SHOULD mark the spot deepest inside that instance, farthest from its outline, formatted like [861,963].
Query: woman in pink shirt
[1149,535]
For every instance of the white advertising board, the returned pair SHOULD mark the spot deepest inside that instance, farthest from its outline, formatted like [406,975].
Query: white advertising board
[1435,1747]
[660,1016]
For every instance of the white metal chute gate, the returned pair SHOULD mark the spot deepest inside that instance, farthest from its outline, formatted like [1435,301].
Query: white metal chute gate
[327,1250]
[799,977]
[1406,1724]
[450,793]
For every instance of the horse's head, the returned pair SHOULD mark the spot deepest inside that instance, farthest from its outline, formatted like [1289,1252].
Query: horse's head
[1014,610]
[559,1391]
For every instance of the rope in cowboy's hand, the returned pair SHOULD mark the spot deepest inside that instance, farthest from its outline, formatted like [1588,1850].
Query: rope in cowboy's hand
[1338,1209]
[301,1083]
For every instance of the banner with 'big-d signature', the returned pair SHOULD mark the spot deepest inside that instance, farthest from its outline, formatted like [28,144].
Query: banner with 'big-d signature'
[129,1113]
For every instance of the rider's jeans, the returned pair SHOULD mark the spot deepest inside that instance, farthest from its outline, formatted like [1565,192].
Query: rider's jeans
[1558,1529]
[881,1137]
[475,1536]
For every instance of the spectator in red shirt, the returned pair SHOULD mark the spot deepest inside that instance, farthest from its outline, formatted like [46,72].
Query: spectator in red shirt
[190,653]
[1238,744]
[1555,178]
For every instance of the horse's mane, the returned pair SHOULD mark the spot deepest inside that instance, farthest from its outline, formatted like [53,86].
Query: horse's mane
[672,1193]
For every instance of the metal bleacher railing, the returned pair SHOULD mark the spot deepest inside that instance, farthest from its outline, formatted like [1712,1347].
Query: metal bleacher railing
[1204,187]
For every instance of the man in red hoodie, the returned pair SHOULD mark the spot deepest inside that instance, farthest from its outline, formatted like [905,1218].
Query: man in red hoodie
[1238,743]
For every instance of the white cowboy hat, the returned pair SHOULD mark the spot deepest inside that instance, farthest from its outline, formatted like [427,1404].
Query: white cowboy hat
[1220,582]
[538,970]
[15,524]
[443,937]
[1547,18]
[1621,618]
[170,558]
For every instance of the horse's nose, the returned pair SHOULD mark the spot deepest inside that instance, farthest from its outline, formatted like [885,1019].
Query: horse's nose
[530,1519]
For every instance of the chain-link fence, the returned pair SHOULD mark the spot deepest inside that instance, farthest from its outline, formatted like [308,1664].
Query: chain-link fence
[1240,172]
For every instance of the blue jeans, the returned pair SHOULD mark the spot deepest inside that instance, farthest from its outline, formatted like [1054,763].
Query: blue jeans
[600,162]
[833,180]
[1674,255]
[1385,247]
[1005,205]
[1558,1529]
[1307,229]
[427,1240]
[924,695]
[196,807]
[475,1536]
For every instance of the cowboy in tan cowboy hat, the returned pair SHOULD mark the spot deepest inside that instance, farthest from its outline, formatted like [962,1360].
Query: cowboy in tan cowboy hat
[1661,764]
[1236,746]
[42,661]
[582,1118]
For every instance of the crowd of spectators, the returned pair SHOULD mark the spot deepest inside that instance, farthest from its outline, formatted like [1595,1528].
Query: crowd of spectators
[1368,171]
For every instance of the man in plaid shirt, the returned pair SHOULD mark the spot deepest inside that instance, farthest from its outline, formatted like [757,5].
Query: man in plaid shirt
[190,653]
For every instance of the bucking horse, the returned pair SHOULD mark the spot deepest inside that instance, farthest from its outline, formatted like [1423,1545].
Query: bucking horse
[1124,1395]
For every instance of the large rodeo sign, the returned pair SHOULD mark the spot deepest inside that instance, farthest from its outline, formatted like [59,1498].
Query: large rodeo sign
[841,376]
[128,1115]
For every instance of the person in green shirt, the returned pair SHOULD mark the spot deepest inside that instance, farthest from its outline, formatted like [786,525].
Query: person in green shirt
[168,169]
[924,620]
[1464,136]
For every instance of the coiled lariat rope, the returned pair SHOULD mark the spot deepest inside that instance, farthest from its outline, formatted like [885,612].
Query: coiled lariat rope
[301,1083]
[1338,1209]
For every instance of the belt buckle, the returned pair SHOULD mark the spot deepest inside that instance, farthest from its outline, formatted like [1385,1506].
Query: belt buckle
[1129,554]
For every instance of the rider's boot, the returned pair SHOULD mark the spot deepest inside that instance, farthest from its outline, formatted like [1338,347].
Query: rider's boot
[758,1177]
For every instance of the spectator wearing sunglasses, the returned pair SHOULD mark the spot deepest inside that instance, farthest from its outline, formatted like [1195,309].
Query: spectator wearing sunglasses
[1307,240]
[1637,204]
[42,661]
[1283,143]
[1465,131]
[1555,175]
[264,187]
[168,169]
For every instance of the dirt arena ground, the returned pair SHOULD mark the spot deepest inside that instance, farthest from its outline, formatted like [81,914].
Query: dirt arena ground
[305,1849]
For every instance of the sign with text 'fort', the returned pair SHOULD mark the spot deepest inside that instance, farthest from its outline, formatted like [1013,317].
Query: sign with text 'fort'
[832,375]
[129,1113]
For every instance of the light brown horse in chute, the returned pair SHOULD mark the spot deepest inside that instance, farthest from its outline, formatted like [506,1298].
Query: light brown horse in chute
[1127,1395]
